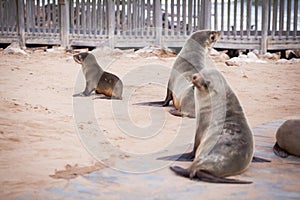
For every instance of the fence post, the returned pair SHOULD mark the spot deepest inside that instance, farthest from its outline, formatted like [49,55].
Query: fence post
[264,31]
[64,23]
[157,22]
[205,15]
[111,23]
[20,22]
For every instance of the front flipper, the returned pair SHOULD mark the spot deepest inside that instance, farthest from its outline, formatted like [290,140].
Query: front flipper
[279,151]
[81,94]
[258,159]
[177,113]
[204,176]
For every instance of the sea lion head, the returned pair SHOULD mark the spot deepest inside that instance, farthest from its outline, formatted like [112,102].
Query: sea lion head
[206,38]
[79,58]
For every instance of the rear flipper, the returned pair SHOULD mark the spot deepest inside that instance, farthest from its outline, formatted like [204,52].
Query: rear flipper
[279,151]
[152,103]
[258,159]
[204,176]
[179,157]
[180,171]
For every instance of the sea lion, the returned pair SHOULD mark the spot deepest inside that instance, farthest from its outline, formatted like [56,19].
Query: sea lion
[288,139]
[224,141]
[97,79]
[190,60]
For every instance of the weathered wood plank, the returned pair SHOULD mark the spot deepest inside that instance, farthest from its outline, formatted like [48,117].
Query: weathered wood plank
[228,19]
[178,18]
[242,20]
[288,25]
[21,23]
[295,18]
[111,22]
[172,17]
[274,17]
[64,23]
[264,36]
[222,17]
[281,17]
[249,14]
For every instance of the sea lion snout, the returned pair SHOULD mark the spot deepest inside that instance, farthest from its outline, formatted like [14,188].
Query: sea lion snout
[77,58]
[80,57]
[215,36]
[195,78]
[199,82]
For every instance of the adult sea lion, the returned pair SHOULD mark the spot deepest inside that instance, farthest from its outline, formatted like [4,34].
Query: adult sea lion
[288,139]
[191,59]
[223,141]
[97,79]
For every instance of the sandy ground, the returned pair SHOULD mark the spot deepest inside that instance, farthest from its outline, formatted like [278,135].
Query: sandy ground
[39,140]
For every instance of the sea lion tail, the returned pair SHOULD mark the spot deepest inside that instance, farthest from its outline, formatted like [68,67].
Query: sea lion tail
[204,176]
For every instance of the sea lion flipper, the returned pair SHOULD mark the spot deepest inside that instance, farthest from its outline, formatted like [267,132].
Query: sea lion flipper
[279,151]
[168,98]
[179,157]
[204,176]
[187,156]
[258,159]
[81,94]
[180,171]
[151,103]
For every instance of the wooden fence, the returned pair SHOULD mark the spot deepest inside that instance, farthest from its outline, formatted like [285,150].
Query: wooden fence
[245,24]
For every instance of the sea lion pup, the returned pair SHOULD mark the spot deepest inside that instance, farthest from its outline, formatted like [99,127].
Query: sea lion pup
[223,138]
[191,59]
[288,139]
[97,79]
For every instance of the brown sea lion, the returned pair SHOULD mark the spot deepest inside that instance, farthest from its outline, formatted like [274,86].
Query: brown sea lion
[97,79]
[223,141]
[191,59]
[288,139]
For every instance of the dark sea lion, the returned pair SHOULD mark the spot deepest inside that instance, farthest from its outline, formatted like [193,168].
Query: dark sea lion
[288,139]
[223,141]
[191,59]
[97,79]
